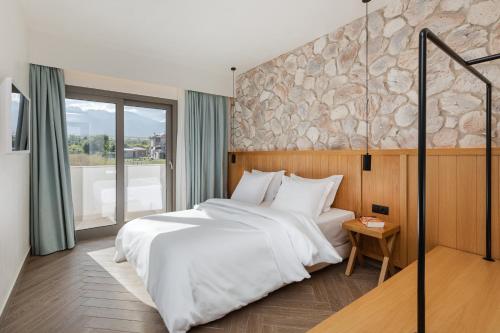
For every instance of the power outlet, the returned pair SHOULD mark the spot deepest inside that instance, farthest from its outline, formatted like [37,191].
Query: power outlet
[384,210]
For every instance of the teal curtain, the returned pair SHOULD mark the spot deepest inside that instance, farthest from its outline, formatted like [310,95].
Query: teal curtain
[206,146]
[51,221]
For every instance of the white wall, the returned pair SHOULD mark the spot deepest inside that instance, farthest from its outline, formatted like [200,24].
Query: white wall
[95,81]
[14,167]
[50,50]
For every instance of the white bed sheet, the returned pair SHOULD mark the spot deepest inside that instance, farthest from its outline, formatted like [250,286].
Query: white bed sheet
[330,223]
[200,264]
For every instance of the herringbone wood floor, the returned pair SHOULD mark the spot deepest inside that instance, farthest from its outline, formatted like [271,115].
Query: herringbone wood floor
[69,292]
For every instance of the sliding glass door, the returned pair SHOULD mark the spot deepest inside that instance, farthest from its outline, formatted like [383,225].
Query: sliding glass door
[147,155]
[121,152]
[91,135]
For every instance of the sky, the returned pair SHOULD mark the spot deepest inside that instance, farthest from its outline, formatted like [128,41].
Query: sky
[91,118]
[153,114]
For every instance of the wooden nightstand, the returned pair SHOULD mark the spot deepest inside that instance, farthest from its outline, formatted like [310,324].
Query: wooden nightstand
[385,237]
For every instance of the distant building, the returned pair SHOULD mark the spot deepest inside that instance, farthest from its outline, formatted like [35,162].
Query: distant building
[158,146]
[135,152]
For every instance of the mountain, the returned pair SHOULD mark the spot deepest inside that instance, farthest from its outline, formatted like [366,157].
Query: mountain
[94,122]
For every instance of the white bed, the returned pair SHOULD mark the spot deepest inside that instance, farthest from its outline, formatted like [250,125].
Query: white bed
[330,223]
[201,264]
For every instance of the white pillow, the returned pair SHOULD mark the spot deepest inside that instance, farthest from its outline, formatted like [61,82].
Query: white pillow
[252,187]
[336,179]
[307,198]
[274,186]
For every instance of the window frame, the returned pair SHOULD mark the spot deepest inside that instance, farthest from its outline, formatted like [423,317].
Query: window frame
[121,100]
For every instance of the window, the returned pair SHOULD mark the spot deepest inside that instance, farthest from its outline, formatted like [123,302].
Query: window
[146,157]
[91,133]
[121,153]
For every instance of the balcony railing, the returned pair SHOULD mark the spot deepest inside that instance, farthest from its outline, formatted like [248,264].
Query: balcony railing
[94,193]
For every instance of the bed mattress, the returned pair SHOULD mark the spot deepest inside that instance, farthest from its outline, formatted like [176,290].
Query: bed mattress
[330,223]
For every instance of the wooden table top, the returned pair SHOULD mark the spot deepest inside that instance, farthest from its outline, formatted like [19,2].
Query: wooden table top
[462,295]
[356,226]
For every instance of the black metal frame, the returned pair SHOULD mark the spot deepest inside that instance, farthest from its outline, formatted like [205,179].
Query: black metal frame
[233,110]
[425,35]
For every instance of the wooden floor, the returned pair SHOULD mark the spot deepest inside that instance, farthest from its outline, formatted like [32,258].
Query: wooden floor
[70,292]
[462,296]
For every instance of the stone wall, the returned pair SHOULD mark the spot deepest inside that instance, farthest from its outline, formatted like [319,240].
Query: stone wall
[313,96]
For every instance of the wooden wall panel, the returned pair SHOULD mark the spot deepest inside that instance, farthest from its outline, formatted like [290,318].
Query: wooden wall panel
[455,187]
[480,231]
[412,206]
[495,208]
[432,204]
[447,187]
[466,203]
[456,184]
[381,186]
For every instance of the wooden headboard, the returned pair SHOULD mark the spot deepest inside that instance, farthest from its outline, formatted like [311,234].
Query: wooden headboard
[455,191]
[310,164]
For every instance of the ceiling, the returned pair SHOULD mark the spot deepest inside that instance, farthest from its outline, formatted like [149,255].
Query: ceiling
[183,43]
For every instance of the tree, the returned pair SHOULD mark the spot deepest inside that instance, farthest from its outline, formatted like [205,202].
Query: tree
[75,149]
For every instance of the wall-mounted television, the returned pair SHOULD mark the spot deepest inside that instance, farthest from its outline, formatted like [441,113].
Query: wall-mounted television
[14,118]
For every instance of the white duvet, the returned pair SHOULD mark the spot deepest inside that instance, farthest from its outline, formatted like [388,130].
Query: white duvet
[203,263]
